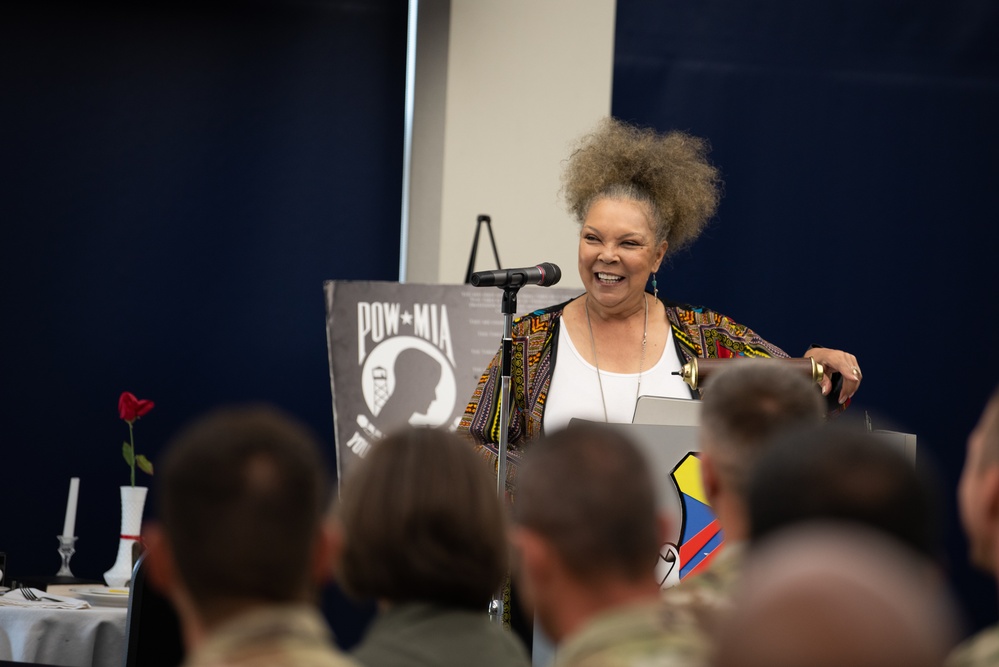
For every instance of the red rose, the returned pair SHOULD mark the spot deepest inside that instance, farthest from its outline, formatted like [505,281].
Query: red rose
[131,408]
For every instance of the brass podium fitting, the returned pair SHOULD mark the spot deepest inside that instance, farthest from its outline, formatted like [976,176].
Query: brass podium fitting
[697,371]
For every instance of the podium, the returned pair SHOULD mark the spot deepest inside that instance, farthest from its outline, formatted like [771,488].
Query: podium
[671,449]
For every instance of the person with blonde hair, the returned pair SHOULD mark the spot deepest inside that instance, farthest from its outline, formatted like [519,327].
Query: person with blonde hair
[638,196]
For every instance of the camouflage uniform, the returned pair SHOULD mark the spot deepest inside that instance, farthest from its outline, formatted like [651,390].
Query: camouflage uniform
[418,633]
[710,592]
[978,651]
[275,636]
[646,634]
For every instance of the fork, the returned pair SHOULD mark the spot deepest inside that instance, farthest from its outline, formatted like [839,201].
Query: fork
[34,597]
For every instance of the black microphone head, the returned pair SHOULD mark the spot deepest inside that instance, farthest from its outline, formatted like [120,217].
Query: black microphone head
[552,274]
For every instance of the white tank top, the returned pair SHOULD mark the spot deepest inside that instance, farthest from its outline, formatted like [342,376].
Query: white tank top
[575,392]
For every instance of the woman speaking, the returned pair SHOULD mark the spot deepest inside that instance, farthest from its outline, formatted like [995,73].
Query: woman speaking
[637,196]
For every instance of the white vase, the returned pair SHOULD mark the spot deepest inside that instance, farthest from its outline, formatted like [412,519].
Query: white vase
[133,501]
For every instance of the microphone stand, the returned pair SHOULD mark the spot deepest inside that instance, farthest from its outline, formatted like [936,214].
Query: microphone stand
[544,274]
[509,308]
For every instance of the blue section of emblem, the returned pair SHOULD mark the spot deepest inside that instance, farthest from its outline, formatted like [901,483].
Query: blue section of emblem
[697,516]
[709,548]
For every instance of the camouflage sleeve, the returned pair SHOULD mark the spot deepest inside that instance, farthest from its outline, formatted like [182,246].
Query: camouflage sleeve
[978,651]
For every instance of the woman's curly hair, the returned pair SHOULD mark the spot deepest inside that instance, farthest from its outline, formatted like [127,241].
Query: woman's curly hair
[670,173]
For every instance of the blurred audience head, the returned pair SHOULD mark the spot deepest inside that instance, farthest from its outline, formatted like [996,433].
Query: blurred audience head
[422,522]
[978,490]
[586,521]
[744,408]
[846,475]
[242,499]
[836,596]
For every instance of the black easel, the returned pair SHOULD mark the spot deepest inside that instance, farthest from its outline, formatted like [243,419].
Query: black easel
[482,219]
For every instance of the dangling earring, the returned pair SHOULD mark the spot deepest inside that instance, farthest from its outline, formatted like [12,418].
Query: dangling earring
[655,288]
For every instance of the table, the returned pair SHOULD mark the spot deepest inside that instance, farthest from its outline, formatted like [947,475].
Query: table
[92,637]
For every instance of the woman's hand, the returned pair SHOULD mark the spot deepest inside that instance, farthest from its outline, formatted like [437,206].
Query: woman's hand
[842,362]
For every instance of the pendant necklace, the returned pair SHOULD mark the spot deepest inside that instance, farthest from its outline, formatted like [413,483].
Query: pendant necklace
[596,364]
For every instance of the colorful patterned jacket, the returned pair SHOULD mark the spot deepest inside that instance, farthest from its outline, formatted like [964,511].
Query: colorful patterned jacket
[697,332]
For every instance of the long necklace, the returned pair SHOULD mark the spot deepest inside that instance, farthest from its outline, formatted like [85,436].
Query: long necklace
[596,364]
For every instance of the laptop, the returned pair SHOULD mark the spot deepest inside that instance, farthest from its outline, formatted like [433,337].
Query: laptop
[667,411]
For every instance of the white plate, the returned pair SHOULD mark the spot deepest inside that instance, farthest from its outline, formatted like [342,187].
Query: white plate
[103,596]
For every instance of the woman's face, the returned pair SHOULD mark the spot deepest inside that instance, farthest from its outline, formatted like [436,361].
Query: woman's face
[617,252]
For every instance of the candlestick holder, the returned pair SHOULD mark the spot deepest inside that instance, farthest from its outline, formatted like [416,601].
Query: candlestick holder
[67,547]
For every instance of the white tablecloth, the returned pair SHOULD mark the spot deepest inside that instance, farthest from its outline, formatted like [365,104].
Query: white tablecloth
[71,637]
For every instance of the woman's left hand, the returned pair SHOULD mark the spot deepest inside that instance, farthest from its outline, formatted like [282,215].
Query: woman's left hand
[843,363]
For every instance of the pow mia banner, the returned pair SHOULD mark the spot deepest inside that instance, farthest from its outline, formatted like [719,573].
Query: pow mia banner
[410,354]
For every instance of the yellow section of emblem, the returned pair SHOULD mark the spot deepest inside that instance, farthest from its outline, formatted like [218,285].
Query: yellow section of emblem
[688,477]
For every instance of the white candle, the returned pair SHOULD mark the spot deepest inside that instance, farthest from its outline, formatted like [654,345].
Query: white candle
[70,524]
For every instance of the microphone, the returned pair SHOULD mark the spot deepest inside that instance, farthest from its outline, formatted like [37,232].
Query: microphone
[545,274]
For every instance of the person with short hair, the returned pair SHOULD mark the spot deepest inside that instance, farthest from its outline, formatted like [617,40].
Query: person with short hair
[836,595]
[978,500]
[844,475]
[588,533]
[745,407]
[424,534]
[243,543]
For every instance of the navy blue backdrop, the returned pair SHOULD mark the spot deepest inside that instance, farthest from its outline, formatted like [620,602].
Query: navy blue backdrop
[177,181]
[860,150]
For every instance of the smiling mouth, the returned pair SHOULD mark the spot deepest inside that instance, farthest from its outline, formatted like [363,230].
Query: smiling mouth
[608,278]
